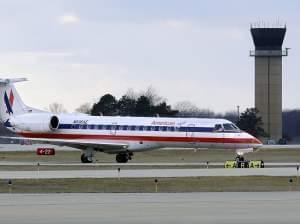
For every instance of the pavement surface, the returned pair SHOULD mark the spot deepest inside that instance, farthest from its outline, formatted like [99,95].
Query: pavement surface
[233,208]
[33,147]
[162,164]
[138,173]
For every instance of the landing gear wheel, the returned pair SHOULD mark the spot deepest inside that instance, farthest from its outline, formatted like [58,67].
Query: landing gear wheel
[239,158]
[85,159]
[123,157]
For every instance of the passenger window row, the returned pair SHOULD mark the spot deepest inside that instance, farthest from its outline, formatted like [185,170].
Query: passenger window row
[135,128]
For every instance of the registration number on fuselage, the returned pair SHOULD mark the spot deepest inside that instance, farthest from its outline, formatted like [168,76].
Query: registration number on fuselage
[80,121]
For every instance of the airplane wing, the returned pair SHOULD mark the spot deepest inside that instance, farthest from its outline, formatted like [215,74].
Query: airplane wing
[271,147]
[109,147]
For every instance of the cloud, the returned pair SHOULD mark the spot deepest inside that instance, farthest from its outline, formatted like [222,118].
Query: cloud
[68,18]
[177,24]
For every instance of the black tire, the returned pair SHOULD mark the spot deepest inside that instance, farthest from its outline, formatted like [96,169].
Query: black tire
[122,158]
[239,159]
[84,159]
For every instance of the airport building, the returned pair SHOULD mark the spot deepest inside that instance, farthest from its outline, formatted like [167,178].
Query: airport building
[268,55]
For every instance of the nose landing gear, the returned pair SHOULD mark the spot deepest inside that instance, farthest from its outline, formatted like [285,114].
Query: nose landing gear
[239,158]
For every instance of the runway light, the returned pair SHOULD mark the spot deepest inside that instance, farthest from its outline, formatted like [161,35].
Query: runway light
[119,170]
[290,187]
[156,185]
[9,182]
[297,174]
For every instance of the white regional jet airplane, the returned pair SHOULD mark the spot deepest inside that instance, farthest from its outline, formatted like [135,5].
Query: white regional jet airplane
[117,135]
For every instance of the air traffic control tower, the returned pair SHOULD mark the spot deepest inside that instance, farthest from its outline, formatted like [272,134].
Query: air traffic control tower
[268,77]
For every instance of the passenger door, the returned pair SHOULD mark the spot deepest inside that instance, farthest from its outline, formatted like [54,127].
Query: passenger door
[113,128]
[219,135]
[190,132]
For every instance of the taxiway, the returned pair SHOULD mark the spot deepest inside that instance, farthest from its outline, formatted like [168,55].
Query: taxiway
[234,208]
[138,173]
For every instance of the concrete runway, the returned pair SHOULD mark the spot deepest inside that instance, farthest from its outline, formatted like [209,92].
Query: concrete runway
[214,208]
[162,164]
[138,173]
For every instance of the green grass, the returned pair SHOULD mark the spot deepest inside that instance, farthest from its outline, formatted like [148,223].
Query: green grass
[147,185]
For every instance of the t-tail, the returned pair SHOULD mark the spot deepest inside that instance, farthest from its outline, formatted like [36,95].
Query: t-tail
[11,103]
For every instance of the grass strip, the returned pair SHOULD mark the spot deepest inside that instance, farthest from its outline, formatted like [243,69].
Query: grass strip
[147,185]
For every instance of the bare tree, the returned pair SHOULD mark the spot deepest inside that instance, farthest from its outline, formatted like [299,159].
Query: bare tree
[57,108]
[84,108]
[131,94]
[188,109]
[152,95]
[186,106]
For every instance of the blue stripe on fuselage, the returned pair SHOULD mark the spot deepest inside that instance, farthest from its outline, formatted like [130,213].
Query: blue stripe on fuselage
[135,128]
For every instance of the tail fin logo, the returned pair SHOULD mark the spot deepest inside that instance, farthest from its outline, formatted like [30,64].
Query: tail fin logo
[9,102]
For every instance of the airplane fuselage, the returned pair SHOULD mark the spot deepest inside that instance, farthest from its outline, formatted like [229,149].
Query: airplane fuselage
[139,133]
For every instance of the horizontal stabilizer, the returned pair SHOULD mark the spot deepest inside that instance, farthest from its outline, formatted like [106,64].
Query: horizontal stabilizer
[8,81]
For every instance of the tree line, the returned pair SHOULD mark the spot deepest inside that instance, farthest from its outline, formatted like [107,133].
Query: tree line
[143,106]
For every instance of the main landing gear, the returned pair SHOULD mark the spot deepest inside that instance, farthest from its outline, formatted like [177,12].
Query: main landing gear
[123,157]
[87,156]
[86,159]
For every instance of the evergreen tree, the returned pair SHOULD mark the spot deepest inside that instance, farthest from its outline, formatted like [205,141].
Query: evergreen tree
[126,106]
[251,123]
[106,106]
[164,110]
[143,107]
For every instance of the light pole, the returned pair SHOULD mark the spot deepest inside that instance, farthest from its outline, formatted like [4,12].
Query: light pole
[238,112]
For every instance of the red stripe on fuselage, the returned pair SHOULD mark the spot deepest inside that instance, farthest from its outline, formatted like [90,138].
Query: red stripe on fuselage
[140,138]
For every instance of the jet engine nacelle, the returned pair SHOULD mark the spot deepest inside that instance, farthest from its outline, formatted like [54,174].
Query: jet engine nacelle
[35,122]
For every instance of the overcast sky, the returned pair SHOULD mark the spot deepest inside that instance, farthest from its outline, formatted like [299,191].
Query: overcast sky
[75,51]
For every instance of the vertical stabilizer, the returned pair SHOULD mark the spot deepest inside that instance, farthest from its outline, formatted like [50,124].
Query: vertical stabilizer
[11,103]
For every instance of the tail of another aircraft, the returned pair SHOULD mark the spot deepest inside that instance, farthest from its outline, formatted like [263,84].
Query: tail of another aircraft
[11,103]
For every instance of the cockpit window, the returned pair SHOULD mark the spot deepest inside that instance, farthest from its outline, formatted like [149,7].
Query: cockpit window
[218,128]
[230,127]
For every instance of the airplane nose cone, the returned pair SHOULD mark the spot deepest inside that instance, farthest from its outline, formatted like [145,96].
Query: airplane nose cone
[257,141]
[253,141]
